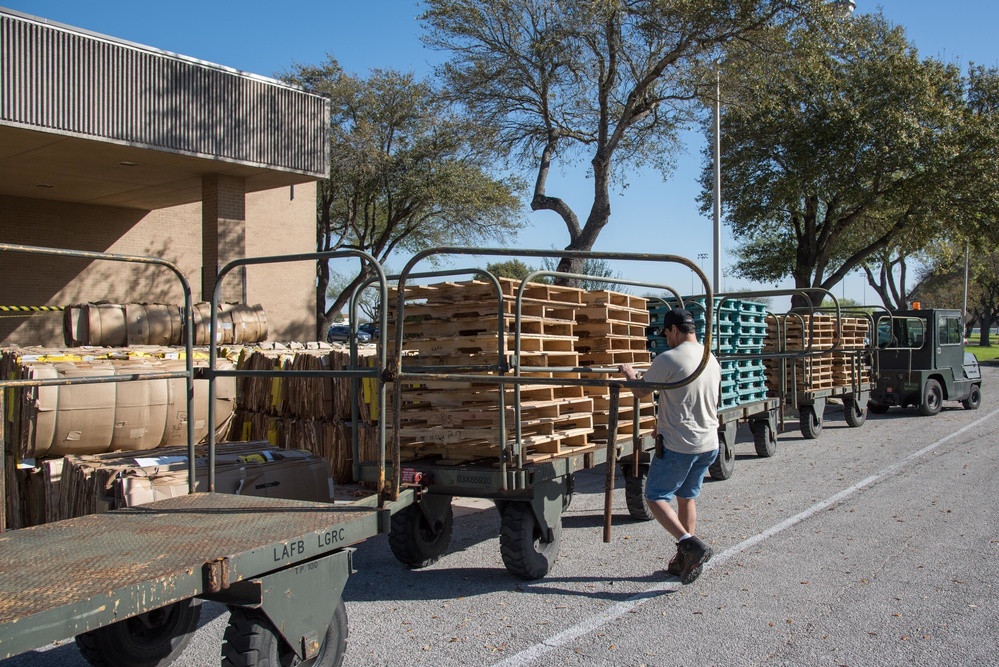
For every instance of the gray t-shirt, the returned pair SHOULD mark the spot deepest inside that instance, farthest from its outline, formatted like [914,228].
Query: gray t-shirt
[688,415]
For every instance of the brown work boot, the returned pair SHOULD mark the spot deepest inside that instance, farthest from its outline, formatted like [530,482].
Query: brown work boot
[695,554]
[675,566]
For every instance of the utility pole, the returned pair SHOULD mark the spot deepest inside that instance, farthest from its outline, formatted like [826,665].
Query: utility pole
[716,275]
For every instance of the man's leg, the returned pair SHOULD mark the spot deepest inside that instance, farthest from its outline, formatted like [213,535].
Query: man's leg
[667,517]
[687,513]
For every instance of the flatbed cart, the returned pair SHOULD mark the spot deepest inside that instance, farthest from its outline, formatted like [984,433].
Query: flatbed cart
[810,401]
[128,583]
[529,495]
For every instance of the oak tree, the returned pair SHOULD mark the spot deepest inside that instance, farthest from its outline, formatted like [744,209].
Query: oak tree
[610,82]
[408,171]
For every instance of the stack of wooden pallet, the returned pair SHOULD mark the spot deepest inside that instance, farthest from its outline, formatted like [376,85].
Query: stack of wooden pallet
[611,328]
[463,324]
[796,333]
[849,362]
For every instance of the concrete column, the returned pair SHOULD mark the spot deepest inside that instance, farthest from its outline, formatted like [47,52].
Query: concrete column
[223,234]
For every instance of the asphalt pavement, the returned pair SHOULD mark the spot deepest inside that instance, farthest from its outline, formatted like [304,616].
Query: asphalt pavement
[866,546]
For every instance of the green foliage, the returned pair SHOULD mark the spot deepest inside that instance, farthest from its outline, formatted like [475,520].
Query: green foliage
[513,268]
[594,269]
[989,354]
[850,149]
[607,83]
[407,171]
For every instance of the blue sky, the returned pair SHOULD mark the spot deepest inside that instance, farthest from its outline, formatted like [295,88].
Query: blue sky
[650,216]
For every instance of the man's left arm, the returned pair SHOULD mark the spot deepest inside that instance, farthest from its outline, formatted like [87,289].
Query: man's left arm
[631,375]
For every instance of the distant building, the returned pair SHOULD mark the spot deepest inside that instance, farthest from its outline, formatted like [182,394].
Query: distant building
[106,145]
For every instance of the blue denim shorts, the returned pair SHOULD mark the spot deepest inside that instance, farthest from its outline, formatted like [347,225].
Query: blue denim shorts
[677,474]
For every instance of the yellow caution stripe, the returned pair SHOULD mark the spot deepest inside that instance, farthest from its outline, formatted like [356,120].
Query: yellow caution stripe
[30,309]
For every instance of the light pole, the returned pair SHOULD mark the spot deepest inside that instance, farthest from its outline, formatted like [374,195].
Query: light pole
[716,208]
[702,256]
[845,7]
[964,311]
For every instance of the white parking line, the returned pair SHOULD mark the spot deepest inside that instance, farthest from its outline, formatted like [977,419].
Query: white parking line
[618,610]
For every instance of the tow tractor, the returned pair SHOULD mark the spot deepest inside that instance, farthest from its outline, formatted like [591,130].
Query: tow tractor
[921,361]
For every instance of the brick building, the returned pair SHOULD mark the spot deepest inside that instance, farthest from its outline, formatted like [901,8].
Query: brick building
[111,146]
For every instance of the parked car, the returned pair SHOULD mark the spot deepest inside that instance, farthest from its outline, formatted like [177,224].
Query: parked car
[341,333]
[371,329]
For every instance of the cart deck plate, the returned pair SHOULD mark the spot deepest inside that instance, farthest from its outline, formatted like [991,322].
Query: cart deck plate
[63,578]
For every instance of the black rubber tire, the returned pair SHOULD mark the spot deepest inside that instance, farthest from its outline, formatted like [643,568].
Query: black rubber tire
[763,438]
[724,464]
[974,399]
[250,640]
[153,639]
[853,419]
[523,552]
[809,422]
[634,495]
[876,408]
[932,399]
[416,543]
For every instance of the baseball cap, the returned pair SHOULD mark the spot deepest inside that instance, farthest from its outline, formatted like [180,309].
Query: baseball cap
[677,317]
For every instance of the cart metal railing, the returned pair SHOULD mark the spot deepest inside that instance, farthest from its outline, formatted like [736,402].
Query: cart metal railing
[187,373]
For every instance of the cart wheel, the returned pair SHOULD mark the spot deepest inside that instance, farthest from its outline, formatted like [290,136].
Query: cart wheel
[855,414]
[250,640]
[876,408]
[810,422]
[634,495]
[764,438]
[417,543]
[974,398]
[524,554]
[724,464]
[152,639]
[932,399]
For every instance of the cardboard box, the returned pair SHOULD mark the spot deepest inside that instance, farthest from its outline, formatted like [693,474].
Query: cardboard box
[253,469]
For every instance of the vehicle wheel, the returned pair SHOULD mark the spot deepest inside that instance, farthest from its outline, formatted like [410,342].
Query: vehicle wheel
[764,438]
[876,408]
[524,554]
[417,543]
[634,495]
[152,639]
[974,398]
[932,399]
[810,423]
[855,415]
[724,464]
[250,640]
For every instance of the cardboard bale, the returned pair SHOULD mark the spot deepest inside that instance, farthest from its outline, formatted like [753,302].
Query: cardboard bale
[175,432]
[107,326]
[84,414]
[140,414]
[57,420]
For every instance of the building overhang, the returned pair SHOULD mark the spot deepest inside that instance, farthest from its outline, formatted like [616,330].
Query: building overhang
[91,119]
